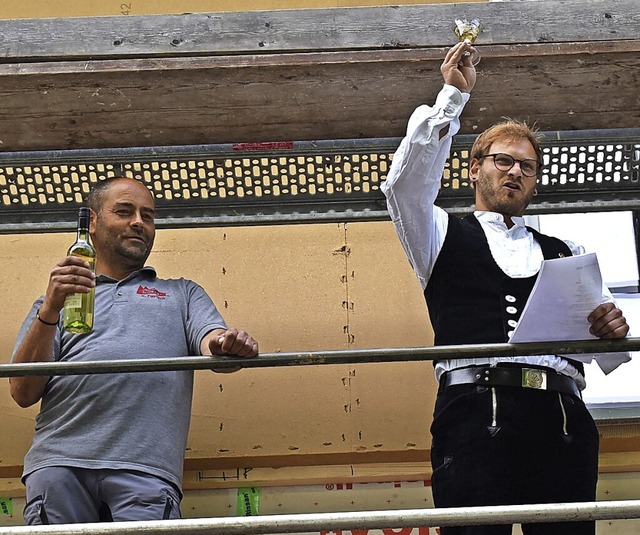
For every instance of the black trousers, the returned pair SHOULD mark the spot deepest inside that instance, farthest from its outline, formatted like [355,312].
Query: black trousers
[513,446]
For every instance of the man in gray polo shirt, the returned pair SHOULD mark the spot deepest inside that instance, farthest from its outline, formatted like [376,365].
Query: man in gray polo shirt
[111,446]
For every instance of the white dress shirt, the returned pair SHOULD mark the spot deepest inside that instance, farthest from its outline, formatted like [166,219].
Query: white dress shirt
[411,189]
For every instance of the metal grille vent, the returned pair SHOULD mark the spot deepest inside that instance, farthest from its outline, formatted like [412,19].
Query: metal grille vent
[291,182]
[592,165]
[264,177]
[32,186]
[212,181]
[567,167]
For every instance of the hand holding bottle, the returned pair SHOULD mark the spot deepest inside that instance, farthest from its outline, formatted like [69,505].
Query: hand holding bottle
[72,284]
[78,306]
[71,275]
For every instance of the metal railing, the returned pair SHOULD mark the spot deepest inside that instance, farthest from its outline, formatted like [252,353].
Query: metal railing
[347,356]
[301,523]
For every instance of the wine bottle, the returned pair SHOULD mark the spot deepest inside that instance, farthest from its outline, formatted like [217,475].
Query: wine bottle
[78,307]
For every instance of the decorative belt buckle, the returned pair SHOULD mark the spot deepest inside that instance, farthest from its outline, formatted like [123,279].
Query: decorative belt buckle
[532,378]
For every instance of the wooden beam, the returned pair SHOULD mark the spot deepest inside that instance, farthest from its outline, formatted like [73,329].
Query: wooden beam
[616,456]
[311,74]
[336,95]
[356,28]
[232,477]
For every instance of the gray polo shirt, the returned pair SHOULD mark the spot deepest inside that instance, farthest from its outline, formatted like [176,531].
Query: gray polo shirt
[129,421]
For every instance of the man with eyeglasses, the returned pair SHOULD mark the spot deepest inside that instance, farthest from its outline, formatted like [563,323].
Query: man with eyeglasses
[495,442]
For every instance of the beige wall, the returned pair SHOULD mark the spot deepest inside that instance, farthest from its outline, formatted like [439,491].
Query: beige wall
[295,288]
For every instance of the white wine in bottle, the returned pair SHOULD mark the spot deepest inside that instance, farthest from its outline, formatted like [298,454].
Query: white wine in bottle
[78,307]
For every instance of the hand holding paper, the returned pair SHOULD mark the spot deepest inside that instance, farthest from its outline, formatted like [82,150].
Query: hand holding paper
[566,292]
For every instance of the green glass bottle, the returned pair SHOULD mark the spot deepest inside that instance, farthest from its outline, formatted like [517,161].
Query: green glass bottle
[78,307]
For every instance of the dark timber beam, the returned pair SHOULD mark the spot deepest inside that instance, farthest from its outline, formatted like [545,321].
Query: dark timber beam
[341,73]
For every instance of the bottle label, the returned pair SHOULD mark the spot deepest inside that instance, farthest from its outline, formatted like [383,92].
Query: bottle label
[73,301]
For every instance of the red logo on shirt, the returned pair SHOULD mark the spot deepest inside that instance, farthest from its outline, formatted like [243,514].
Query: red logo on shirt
[143,291]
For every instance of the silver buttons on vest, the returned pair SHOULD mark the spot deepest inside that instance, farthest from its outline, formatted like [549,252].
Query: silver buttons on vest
[511,310]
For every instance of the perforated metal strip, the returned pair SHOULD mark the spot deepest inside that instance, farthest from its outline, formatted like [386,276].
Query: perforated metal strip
[274,183]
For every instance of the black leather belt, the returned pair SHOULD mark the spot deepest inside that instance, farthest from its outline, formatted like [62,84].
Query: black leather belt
[537,378]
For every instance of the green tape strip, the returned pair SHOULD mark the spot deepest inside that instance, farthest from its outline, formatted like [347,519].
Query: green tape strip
[6,506]
[248,501]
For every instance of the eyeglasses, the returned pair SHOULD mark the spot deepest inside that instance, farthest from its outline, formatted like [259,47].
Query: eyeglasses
[504,162]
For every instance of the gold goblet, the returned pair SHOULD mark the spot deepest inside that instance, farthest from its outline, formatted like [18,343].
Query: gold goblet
[468,31]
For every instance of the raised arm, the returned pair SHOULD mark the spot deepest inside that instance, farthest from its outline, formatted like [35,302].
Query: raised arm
[413,180]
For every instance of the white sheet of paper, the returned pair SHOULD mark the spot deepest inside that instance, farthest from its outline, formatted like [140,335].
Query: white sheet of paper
[566,292]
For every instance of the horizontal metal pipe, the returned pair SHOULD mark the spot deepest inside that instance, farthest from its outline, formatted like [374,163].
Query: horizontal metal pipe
[316,217]
[301,523]
[354,356]
[238,220]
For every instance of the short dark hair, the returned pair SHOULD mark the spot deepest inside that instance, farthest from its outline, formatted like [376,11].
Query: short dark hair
[95,198]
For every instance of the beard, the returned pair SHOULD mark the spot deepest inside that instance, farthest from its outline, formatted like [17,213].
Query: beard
[501,200]
[135,254]
[117,250]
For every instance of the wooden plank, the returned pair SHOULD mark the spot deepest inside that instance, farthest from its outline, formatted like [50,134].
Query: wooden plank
[330,95]
[367,69]
[309,74]
[408,470]
[386,27]
[19,9]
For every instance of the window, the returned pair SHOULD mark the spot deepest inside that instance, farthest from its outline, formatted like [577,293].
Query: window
[611,236]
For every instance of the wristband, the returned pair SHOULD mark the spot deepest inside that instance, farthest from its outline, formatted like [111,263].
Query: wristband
[45,322]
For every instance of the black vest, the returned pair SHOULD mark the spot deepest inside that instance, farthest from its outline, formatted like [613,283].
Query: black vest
[470,299]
